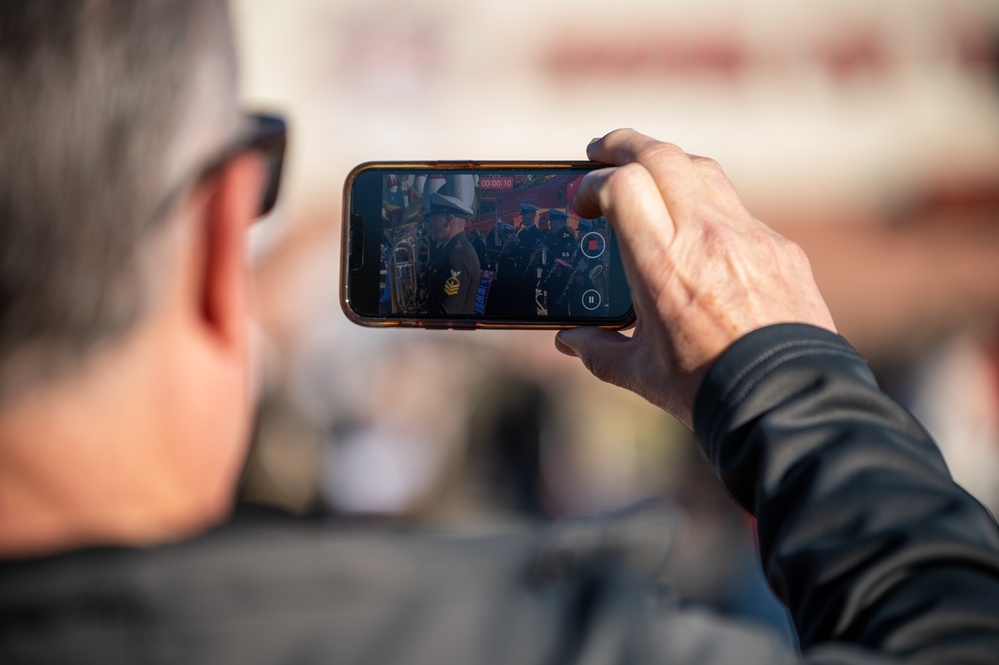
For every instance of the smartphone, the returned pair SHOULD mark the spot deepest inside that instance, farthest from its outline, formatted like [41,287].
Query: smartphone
[467,245]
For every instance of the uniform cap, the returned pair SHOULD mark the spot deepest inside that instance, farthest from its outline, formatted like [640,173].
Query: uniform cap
[443,204]
[555,212]
[527,207]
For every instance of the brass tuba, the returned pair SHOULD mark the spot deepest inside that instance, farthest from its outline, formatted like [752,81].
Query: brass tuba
[407,263]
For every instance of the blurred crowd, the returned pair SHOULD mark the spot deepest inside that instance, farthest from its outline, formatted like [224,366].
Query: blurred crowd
[890,111]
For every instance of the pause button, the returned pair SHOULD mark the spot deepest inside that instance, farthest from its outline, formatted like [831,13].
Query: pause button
[591,299]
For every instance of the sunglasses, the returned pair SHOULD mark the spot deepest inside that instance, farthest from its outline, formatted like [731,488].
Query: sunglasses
[267,136]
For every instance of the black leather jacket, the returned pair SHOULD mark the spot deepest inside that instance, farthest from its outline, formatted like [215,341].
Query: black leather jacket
[863,534]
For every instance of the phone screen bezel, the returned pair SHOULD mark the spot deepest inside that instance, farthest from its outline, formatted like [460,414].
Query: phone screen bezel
[361,252]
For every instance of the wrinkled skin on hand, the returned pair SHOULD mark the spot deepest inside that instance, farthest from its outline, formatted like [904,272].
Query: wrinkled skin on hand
[703,271]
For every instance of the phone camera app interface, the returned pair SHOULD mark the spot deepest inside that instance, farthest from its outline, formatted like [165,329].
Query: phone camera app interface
[504,245]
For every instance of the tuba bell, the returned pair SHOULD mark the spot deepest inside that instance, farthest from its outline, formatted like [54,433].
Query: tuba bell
[406,268]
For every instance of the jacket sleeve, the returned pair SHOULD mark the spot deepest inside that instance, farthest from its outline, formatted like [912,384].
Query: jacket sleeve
[863,534]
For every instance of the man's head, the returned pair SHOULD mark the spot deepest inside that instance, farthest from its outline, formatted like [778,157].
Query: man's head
[107,107]
[558,219]
[543,221]
[527,214]
[445,217]
[123,304]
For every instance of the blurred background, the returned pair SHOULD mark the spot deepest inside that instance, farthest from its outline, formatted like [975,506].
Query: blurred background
[867,132]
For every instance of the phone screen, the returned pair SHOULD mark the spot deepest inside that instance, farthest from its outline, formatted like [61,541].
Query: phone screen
[487,245]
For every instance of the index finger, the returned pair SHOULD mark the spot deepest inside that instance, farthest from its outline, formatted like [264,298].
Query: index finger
[684,181]
[673,171]
[629,198]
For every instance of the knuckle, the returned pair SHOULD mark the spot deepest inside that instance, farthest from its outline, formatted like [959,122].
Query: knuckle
[594,366]
[787,247]
[796,254]
[621,133]
[721,238]
[597,365]
[789,254]
[655,151]
[626,179]
[708,166]
[712,173]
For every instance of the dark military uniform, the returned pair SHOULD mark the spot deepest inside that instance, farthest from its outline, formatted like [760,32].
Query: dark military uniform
[556,286]
[561,242]
[503,292]
[480,250]
[530,237]
[528,259]
[453,278]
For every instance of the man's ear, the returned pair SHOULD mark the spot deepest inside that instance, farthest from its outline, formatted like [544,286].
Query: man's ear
[229,211]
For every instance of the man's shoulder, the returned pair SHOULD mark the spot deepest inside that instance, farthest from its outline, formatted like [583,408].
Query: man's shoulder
[256,587]
[263,565]
[461,251]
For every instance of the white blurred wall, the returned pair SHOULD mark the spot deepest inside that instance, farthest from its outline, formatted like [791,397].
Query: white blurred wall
[800,101]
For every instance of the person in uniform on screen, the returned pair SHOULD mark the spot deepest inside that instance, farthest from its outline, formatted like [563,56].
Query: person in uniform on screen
[529,258]
[529,233]
[453,276]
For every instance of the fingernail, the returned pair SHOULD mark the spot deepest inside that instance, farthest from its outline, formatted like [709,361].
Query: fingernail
[592,147]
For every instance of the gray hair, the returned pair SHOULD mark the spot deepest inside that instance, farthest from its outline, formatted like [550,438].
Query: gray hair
[104,104]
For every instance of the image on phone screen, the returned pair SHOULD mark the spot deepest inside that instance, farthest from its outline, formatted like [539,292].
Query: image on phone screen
[484,246]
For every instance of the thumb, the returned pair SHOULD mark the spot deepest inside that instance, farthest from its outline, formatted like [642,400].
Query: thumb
[602,351]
